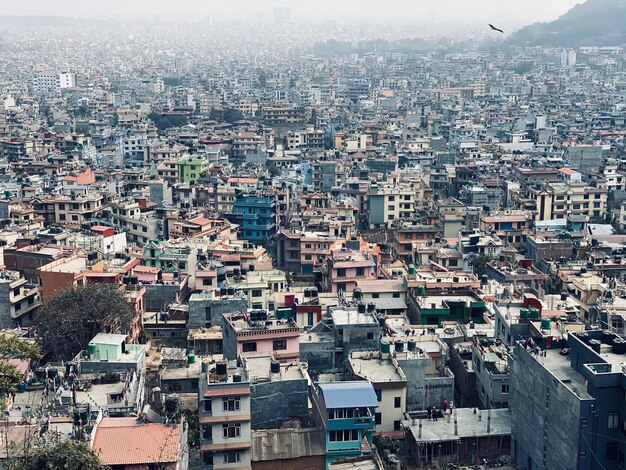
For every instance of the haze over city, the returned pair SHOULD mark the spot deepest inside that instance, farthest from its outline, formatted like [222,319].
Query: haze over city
[321,235]
[508,11]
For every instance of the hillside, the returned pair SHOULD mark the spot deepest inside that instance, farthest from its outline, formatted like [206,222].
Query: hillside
[593,23]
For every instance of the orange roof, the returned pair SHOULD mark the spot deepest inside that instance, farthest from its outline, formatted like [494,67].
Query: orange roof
[567,171]
[200,221]
[120,441]
[243,180]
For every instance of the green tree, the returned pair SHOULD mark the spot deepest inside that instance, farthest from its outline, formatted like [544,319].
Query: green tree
[63,455]
[72,317]
[231,115]
[13,348]
[479,264]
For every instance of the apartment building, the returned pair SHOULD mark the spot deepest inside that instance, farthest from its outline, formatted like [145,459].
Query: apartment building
[225,418]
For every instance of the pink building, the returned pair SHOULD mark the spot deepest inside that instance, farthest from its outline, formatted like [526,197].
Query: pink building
[253,333]
[345,267]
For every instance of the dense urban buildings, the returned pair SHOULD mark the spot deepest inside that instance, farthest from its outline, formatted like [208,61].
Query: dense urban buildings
[335,251]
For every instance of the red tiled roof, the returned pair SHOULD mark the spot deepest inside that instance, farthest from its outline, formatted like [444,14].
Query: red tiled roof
[120,441]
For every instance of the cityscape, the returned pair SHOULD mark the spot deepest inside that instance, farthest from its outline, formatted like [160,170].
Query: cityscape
[297,236]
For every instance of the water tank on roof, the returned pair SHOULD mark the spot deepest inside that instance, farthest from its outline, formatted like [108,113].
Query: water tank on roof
[371,307]
[412,345]
[357,294]
[275,367]
[361,307]
[384,347]
[421,291]
[221,367]
[399,346]
[546,324]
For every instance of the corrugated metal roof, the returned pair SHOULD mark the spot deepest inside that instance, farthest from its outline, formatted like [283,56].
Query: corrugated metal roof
[280,444]
[120,441]
[359,393]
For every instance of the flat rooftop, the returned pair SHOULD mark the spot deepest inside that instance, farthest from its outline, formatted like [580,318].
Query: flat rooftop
[351,317]
[469,425]
[559,366]
[369,366]
[258,369]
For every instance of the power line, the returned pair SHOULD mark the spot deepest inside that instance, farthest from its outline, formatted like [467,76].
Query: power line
[591,450]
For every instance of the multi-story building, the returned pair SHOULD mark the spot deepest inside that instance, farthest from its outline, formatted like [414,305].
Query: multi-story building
[390,203]
[346,411]
[511,226]
[19,300]
[559,200]
[490,364]
[580,390]
[254,333]
[390,386]
[225,418]
[139,226]
[190,169]
[256,217]
[345,268]
[302,252]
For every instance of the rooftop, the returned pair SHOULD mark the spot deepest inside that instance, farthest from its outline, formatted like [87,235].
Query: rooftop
[376,368]
[469,423]
[348,394]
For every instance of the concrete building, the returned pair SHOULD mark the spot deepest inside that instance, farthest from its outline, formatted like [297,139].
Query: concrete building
[490,360]
[390,384]
[253,333]
[581,391]
[207,308]
[279,392]
[225,419]
[18,300]
[466,435]
[346,411]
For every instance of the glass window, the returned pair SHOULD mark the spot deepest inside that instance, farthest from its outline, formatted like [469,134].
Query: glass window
[249,347]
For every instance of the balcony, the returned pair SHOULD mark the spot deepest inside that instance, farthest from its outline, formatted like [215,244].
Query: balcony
[364,420]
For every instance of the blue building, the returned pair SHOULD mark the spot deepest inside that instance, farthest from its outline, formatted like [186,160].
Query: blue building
[567,406]
[256,217]
[346,411]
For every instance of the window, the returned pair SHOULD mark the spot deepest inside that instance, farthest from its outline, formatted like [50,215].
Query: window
[308,257]
[378,418]
[396,425]
[231,403]
[207,432]
[207,406]
[207,313]
[257,293]
[391,208]
[376,295]
[360,271]
[370,335]
[505,388]
[231,457]
[379,394]
[610,451]
[396,295]
[307,245]
[230,431]
[249,347]
[280,345]
[206,282]
[341,272]
[613,420]
[397,402]
[207,458]
[343,435]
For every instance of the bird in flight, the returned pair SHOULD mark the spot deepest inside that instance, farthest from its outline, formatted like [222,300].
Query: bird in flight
[496,29]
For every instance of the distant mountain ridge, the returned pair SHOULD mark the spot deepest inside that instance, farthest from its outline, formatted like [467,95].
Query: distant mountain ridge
[593,23]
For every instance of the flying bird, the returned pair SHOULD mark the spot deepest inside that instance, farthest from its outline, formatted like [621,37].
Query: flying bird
[496,29]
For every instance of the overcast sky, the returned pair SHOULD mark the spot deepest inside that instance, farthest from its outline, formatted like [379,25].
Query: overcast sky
[491,11]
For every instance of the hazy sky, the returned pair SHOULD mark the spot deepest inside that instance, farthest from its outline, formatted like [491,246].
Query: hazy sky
[441,10]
